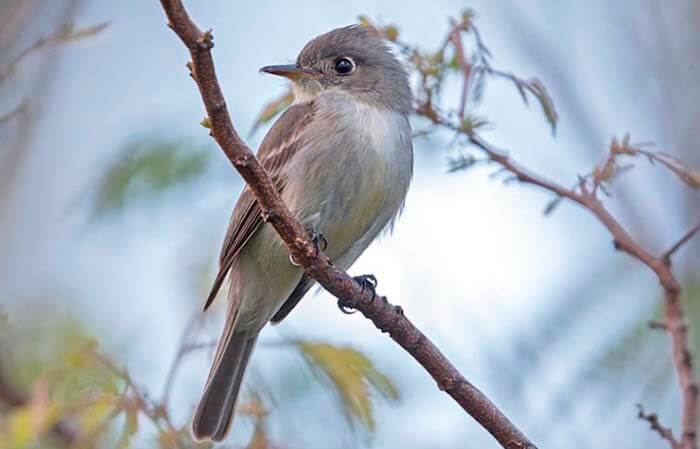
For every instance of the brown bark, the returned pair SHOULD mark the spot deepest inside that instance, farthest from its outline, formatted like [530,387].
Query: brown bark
[388,318]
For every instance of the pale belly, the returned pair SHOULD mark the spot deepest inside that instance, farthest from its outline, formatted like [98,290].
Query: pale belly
[349,187]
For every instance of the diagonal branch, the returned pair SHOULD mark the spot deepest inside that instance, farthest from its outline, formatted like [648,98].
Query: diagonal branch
[389,319]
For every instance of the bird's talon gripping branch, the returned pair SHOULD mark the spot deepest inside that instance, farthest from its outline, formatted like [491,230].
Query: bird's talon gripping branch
[319,240]
[293,262]
[345,307]
[368,282]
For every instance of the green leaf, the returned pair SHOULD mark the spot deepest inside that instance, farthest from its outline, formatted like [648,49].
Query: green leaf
[545,100]
[353,376]
[95,415]
[147,170]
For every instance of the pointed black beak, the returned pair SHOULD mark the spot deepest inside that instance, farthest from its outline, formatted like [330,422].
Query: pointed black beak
[291,71]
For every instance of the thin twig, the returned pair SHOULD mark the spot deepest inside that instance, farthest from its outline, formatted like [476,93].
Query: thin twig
[674,315]
[666,257]
[387,318]
[153,410]
[14,112]
[664,432]
[183,349]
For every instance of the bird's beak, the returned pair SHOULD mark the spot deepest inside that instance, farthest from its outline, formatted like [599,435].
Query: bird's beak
[291,71]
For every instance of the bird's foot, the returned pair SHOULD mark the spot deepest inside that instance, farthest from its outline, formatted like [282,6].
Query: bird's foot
[345,308]
[368,282]
[319,240]
[320,243]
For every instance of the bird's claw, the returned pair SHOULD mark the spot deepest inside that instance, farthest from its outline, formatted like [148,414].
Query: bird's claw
[368,282]
[319,240]
[345,308]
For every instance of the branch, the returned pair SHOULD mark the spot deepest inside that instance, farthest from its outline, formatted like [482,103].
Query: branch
[656,426]
[389,319]
[679,244]
[66,33]
[585,196]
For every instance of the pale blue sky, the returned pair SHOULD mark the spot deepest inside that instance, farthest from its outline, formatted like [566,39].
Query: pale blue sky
[472,262]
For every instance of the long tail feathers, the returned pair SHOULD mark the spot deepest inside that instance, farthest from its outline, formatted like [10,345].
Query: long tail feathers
[214,415]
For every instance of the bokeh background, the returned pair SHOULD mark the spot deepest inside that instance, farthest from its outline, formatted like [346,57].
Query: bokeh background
[114,201]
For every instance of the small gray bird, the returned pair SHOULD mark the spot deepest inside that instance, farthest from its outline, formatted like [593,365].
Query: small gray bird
[342,159]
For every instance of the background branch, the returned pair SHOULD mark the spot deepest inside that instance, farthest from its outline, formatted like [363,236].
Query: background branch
[387,318]
[586,197]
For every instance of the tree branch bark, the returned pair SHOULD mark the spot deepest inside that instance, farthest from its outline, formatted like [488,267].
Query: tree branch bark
[674,315]
[387,318]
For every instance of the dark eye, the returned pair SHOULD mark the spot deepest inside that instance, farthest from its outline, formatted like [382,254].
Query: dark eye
[343,66]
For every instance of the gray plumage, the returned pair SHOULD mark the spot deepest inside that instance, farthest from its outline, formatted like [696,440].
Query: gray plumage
[342,158]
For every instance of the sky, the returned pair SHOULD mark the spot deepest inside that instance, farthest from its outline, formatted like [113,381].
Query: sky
[472,262]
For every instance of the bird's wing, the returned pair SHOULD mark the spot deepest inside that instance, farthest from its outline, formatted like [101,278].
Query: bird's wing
[282,142]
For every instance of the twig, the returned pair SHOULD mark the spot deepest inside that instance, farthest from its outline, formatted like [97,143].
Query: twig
[153,410]
[674,315]
[387,318]
[184,348]
[65,33]
[455,37]
[683,240]
[664,432]
[17,110]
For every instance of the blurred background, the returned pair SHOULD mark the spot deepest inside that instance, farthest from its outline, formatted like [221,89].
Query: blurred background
[114,202]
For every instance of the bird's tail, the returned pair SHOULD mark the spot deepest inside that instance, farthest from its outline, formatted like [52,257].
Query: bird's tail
[214,415]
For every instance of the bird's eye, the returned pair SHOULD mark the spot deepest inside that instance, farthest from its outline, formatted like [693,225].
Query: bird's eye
[344,66]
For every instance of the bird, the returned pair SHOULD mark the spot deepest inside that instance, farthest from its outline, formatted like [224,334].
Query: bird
[341,157]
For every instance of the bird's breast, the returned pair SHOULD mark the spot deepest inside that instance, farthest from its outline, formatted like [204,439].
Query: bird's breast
[356,174]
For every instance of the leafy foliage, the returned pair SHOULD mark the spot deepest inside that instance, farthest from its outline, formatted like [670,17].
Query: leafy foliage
[147,170]
[353,376]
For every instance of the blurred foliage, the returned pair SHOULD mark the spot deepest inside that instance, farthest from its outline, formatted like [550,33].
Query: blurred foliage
[352,375]
[147,169]
[74,395]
